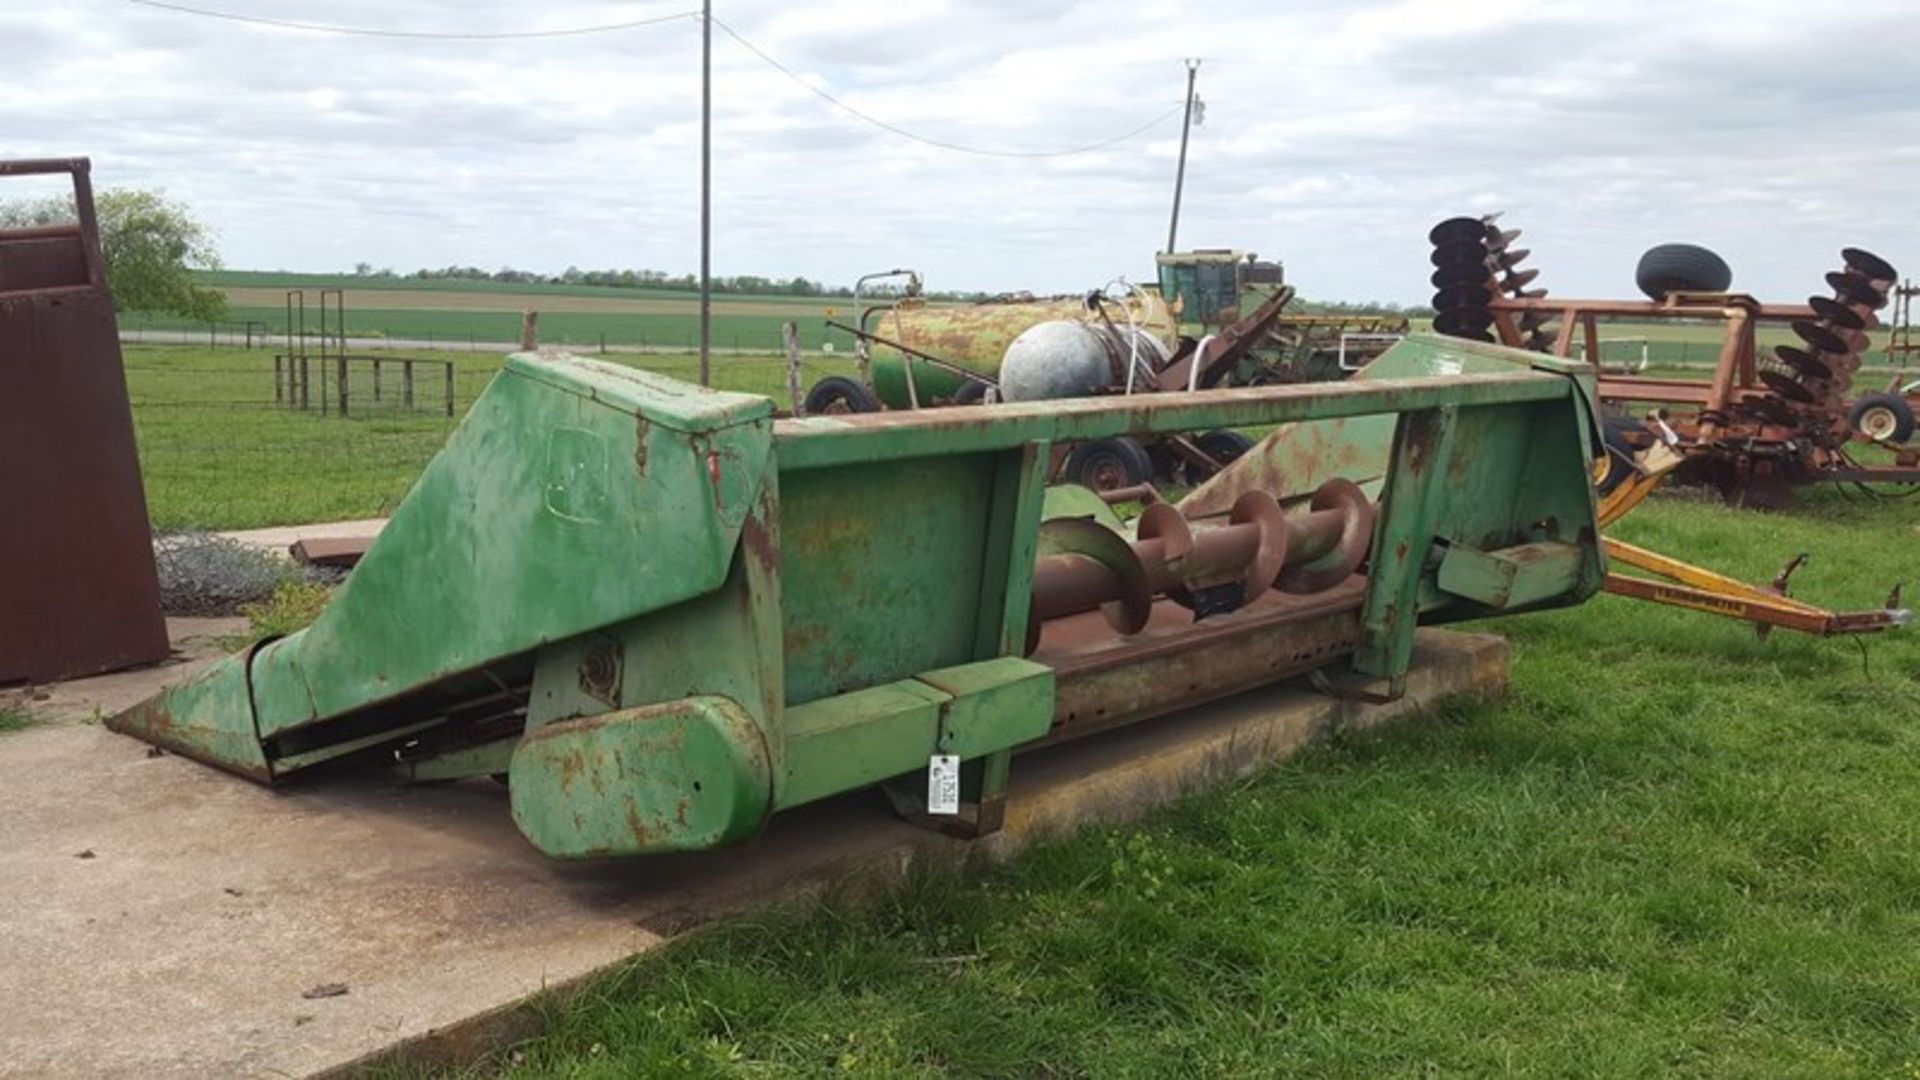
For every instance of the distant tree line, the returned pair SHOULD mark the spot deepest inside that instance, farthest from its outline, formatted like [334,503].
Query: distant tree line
[1362,307]
[742,285]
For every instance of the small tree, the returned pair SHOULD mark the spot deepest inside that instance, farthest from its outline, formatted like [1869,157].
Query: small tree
[151,245]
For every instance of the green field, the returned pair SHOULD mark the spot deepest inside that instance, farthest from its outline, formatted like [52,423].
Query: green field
[1671,849]
[463,329]
[283,279]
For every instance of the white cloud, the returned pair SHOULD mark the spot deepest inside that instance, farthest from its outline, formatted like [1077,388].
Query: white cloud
[1335,134]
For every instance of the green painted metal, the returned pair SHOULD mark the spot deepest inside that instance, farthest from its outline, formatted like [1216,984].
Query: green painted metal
[1516,577]
[666,615]
[817,442]
[867,736]
[1074,501]
[683,775]
[1300,455]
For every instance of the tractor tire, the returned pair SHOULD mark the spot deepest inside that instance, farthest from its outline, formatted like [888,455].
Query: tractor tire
[1883,418]
[1671,268]
[971,392]
[1107,464]
[1613,432]
[837,394]
[1222,446]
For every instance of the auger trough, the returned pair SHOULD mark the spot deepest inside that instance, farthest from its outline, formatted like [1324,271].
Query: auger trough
[661,614]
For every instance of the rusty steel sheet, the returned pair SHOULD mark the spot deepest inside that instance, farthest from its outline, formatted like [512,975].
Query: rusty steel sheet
[79,593]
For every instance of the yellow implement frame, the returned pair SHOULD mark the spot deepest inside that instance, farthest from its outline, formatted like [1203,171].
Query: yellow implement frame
[1699,589]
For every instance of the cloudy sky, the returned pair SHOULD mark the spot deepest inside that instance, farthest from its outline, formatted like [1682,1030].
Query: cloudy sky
[1335,133]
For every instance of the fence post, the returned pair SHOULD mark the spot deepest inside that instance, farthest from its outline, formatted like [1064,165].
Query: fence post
[406,383]
[449,389]
[376,380]
[343,385]
[790,333]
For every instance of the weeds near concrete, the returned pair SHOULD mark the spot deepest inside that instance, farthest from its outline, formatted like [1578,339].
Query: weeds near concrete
[294,604]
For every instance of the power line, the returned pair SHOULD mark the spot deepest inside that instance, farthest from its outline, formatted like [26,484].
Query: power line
[430,35]
[915,136]
[606,28]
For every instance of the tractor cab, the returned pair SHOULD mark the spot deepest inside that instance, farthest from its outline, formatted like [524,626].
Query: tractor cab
[1207,286]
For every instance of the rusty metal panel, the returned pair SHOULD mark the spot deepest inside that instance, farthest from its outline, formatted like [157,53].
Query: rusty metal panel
[79,594]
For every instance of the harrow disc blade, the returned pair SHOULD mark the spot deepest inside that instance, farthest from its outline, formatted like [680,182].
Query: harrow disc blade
[1837,313]
[1463,322]
[1462,296]
[1787,387]
[1804,362]
[1869,265]
[1463,254]
[1458,230]
[1459,274]
[1856,289]
[1507,260]
[1818,336]
[1517,280]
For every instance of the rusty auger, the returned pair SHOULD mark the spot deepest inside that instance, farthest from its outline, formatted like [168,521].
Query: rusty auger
[1208,569]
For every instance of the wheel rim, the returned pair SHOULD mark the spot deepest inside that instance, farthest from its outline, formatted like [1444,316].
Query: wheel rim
[1106,472]
[1878,423]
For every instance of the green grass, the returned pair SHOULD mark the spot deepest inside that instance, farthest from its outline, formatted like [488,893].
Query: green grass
[454,329]
[12,721]
[216,453]
[1671,849]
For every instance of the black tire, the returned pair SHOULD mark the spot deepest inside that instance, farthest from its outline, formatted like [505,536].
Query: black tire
[1614,432]
[1106,464]
[1671,268]
[1884,418]
[1222,446]
[838,394]
[971,392]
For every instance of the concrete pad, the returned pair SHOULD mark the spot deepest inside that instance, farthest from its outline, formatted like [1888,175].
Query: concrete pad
[196,642]
[158,918]
[281,537]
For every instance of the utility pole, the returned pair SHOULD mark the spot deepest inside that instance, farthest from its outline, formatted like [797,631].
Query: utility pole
[706,187]
[1180,176]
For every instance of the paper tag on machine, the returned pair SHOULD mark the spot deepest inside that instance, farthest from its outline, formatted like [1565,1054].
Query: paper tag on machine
[943,784]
